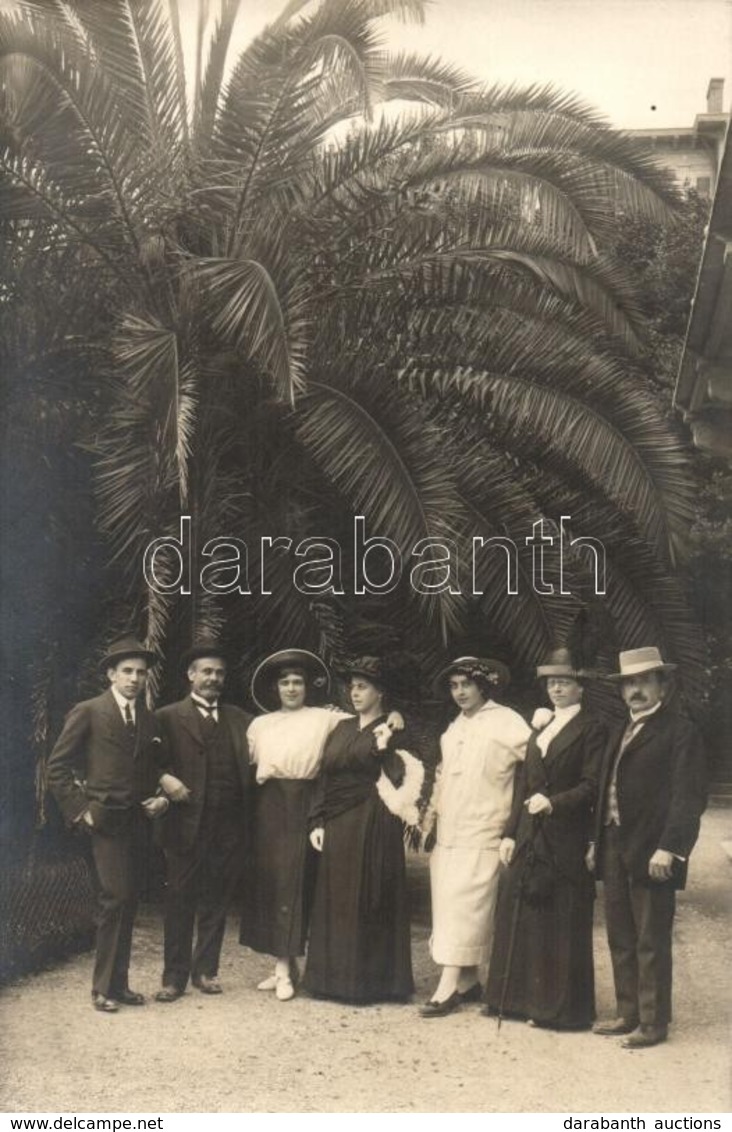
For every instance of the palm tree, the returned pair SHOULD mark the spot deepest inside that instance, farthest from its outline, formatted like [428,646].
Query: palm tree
[323,280]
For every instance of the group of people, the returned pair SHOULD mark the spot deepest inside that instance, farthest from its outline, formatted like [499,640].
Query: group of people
[304,808]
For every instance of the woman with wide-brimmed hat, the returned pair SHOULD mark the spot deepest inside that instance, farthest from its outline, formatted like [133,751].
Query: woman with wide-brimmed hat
[370,784]
[541,966]
[286,746]
[471,802]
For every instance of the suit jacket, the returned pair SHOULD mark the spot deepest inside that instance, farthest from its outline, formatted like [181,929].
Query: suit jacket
[568,775]
[181,724]
[661,787]
[90,766]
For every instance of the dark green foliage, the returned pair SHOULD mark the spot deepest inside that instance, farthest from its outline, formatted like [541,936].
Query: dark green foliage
[283,307]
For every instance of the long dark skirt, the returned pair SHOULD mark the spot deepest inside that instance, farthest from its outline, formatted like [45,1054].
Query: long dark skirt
[359,947]
[551,976]
[280,887]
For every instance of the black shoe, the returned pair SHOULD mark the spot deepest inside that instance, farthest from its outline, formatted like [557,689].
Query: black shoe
[208,984]
[615,1027]
[472,994]
[434,1009]
[129,997]
[645,1036]
[106,1005]
[168,993]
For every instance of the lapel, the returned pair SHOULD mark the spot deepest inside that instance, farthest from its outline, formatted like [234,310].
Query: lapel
[236,723]
[145,726]
[565,738]
[646,733]
[190,718]
[113,723]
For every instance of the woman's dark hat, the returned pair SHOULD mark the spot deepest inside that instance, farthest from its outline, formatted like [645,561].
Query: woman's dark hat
[265,696]
[123,648]
[494,672]
[204,649]
[559,662]
[397,673]
[372,668]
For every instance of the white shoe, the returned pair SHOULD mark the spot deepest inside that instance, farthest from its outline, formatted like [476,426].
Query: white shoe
[270,983]
[284,989]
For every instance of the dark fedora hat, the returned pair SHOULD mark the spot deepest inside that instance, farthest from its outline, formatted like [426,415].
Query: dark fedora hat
[124,647]
[262,690]
[493,671]
[202,649]
[396,673]
[560,662]
[372,668]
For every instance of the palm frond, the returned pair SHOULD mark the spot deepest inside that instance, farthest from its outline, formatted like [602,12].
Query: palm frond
[264,322]
[134,46]
[67,119]
[205,110]
[384,459]
[412,77]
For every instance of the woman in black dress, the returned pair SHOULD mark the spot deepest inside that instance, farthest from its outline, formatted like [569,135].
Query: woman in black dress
[541,966]
[359,948]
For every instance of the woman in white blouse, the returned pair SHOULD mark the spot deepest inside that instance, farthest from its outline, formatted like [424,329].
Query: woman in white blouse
[541,967]
[286,747]
[472,800]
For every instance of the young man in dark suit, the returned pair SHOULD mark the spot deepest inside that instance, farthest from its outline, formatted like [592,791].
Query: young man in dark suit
[105,772]
[652,795]
[205,833]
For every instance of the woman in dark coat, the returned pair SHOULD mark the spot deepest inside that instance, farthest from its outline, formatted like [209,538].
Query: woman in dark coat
[541,966]
[359,948]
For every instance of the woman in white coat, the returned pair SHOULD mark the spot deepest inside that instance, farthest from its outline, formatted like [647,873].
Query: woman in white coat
[471,804]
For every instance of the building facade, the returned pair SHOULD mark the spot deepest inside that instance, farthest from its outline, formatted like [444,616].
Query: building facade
[693,153]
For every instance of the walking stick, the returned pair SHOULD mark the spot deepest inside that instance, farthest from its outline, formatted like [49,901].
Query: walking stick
[518,901]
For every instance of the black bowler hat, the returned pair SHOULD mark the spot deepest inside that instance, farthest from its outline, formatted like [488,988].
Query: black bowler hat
[125,647]
[202,649]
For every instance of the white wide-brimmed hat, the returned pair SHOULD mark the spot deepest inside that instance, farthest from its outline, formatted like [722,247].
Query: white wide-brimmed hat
[635,661]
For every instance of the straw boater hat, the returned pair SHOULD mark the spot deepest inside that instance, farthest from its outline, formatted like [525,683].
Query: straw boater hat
[124,648]
[496,673]
[204,649]
[262,690]
[560,663]
[635,661]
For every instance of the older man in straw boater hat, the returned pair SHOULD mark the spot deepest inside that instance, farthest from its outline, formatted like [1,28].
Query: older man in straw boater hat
[106,771]
[652,795]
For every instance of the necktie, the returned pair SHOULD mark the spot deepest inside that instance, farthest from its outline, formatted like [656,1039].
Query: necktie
[209,719]
[129,721]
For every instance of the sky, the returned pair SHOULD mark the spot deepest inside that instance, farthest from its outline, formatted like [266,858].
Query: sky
[642,63]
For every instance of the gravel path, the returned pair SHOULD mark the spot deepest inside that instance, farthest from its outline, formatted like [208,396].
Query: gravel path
[245,1052]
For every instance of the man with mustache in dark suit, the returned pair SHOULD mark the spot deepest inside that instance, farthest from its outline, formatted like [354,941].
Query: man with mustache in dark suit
[652,795]
[106,772]
[204,834]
